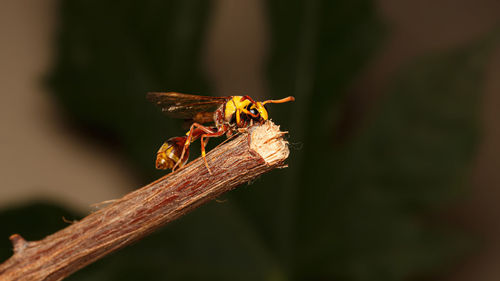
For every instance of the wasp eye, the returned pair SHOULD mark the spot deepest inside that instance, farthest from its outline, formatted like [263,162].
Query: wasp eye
[254,111]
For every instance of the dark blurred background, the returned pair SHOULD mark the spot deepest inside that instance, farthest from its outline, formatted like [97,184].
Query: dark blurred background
[393,173]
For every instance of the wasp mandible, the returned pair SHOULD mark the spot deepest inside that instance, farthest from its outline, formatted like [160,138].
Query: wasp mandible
[228,115]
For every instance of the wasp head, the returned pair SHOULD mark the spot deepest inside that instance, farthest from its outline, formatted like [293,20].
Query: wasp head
[243,110]
[258,112]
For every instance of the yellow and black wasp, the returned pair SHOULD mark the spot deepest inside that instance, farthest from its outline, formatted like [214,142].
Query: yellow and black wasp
[228,114]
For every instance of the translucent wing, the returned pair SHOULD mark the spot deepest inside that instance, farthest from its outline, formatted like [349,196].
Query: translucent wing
[186,106]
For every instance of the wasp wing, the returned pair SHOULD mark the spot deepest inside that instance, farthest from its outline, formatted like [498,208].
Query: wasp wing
[186,106]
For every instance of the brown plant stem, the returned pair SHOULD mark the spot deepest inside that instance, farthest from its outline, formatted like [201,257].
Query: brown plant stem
[142,211]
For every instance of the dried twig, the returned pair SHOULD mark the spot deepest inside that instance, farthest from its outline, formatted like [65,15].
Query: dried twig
[142,211]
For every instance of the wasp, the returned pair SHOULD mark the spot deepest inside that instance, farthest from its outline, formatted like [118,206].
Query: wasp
[228,115]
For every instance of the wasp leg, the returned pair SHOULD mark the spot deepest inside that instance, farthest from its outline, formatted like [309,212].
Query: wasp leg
[204,143]
[195,131]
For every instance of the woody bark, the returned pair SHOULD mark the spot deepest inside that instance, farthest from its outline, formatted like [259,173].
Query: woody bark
[142,211]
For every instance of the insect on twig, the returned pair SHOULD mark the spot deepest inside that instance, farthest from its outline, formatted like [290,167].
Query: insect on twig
[228,115]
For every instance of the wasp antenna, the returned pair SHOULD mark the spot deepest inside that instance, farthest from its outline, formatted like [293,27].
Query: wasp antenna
[287,99]
[247,98]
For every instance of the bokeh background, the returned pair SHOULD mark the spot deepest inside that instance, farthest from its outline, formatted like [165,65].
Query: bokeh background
[393,173]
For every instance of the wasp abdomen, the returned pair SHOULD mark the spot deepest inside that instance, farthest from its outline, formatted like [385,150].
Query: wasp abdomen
[170,152]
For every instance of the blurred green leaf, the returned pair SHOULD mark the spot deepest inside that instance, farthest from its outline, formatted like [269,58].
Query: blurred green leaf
[109,55]
[364,205]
